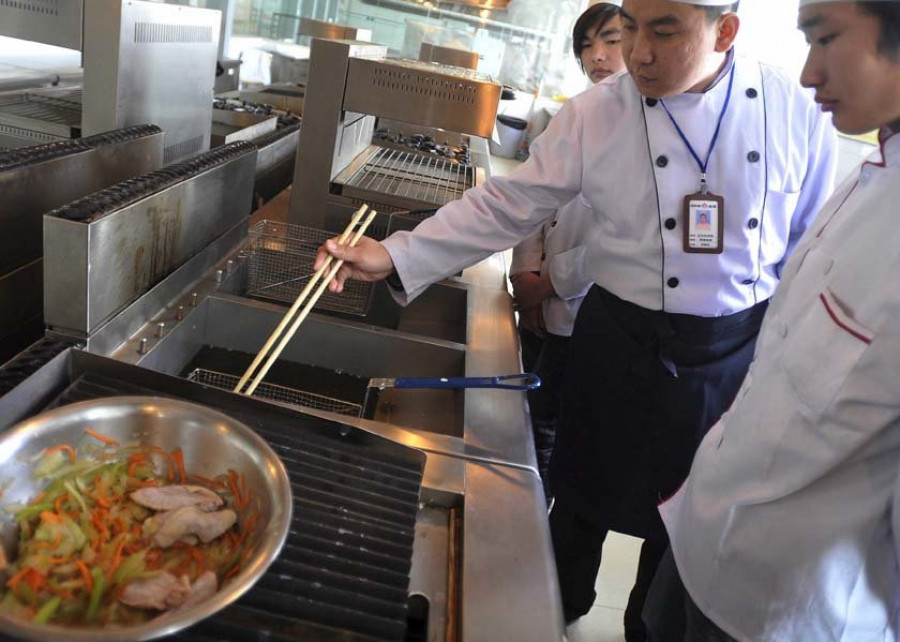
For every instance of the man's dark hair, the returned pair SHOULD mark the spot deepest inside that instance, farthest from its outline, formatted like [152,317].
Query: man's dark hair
[595,17]
[888,13]
[714,12]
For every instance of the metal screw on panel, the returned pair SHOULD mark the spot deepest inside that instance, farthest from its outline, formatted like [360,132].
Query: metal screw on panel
[142,347]
[194,300]
[229,266]
[160,329]
[220,275]
[179,316]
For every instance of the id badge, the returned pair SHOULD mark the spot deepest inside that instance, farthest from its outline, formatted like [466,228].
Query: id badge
[704,223]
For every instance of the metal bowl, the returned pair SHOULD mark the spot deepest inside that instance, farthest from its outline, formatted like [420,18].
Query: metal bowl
[211,442]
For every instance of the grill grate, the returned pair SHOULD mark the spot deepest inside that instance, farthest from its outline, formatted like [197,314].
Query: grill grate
[280,266]
[29,361]
[344,571]
[404,174]
[279,394]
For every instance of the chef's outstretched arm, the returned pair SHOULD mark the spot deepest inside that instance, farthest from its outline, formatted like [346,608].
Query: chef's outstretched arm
[489,218]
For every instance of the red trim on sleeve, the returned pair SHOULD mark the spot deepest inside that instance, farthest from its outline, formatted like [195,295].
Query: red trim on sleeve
[841,324]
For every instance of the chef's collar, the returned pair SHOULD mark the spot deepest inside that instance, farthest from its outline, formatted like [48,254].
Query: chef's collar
[726,68]
[889,140]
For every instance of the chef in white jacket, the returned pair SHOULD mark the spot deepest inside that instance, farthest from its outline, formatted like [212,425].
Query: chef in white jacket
[548,290]
[788,527]
[662,341]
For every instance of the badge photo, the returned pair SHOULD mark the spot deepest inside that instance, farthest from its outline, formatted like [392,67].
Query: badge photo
[704,217]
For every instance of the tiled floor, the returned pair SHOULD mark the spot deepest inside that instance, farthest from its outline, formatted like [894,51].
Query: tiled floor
[604,622]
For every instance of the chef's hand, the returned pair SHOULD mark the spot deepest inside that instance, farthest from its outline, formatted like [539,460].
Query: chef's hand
[530,290]
[368,261]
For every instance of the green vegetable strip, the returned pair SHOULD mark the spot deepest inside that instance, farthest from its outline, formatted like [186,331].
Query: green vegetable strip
[97,593]
[46,612]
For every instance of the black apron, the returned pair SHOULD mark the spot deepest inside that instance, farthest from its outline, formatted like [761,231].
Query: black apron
[641,390]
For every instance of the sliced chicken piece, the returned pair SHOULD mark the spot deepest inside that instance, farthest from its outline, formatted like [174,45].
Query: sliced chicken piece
[171,526]
[201,590]
[172,497]
[161,592]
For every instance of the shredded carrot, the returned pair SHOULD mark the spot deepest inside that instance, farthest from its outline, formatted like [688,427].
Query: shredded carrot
[47,516]
[170,462]
[65,559]
[198,558]
[233,487]
[178,456]
[245,491]
[85,575]
[116,559]
[39,498]
[106,440]
[65,448]
[97,521]
[31,576]
[58,505]
[212,483]
[134,461]
[248,527]
[234,571]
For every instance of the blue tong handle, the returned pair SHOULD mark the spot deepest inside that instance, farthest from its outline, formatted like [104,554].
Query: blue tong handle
[527,382]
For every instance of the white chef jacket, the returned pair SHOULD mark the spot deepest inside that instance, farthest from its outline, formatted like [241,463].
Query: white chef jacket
[774,164]
[548,252]
[788,526]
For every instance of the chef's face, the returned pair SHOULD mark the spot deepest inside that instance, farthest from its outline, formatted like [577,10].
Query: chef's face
[856,82]
[601,53]
[672,47]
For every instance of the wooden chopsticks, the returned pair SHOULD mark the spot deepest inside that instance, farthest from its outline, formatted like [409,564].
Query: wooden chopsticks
[331,267]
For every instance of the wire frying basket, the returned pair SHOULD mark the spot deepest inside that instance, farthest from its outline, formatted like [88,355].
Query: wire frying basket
[278,394]
[281,263]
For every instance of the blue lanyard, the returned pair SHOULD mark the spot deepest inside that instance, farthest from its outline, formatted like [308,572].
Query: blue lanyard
[703,165]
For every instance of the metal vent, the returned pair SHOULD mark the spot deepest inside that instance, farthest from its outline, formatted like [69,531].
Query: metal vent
[43,7]
[183,149]
[156,32]
[411,82]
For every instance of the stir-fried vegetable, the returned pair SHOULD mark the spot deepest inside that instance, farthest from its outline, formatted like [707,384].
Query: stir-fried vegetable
[82,540]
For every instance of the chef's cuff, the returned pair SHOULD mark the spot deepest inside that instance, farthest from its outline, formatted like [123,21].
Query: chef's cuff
[394,282]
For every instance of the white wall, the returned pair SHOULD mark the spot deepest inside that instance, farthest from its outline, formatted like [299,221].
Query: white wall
[769,33]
